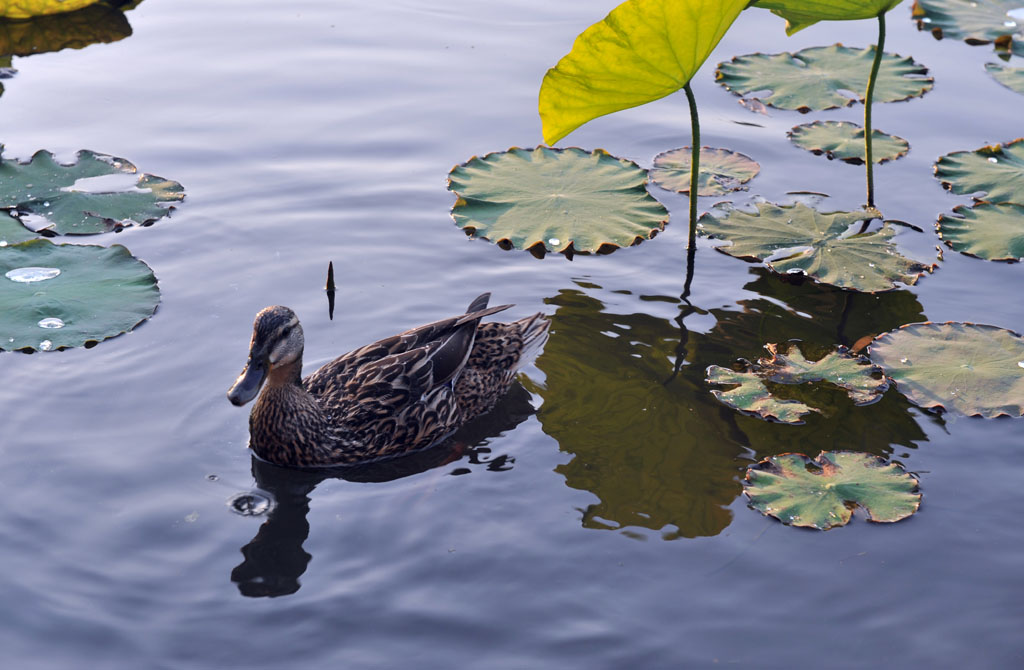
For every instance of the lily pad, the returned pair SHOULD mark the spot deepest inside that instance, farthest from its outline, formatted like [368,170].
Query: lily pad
[57,296]
[799,239]
[845,141]
[997,172]
[1010,77]
[800,14]
[26,9]
[555,200]
[863,382]
[642,51]
[12,232]
[721,171]
[968,368]
[974,21]
[822,493]
[51,196]
[991,232]
[822,78]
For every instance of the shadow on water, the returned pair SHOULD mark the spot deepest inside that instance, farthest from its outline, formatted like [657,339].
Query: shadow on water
[274,560]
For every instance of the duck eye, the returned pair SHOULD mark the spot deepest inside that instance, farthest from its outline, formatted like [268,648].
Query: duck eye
[286,332]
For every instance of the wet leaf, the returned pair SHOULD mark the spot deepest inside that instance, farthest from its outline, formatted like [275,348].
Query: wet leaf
[802,13]
[50,195]
[55,296]
[995,172]
[555,199]
[974,21]
[968,368]
[991,232]
[721,171]
[821,493]
[1010,77]
[845,141]
[862,381]
[642,51]
[796,238]
[822,78]
[25,9]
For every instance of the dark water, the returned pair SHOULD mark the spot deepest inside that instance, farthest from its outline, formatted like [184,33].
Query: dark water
[604,529]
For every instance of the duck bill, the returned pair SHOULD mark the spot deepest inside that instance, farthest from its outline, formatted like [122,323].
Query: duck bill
[249,382]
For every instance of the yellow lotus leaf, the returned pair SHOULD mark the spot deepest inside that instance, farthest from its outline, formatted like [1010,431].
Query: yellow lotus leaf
[26,9]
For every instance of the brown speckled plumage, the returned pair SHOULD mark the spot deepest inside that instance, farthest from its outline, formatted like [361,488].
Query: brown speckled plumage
[397,395]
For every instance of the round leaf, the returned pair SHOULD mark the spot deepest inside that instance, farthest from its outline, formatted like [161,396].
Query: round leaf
[555,199]
[997,172]
[845,141]
[721,171]
[963,367]
[975,21]
[56,296]
[642,51]
[12,232]
[822,78]
[820,493]
[802,13]
[1010,77]
[992,232]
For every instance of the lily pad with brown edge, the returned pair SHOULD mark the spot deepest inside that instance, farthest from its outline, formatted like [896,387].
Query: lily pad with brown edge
[26,9]
[95,194]
[845,141]
[1010,77]
[974,21]
[993,232]
[798,239]
[863,382]
[566,200]
[55,296]
[822,493]
[721,171]
[820,78]
[972,369]
[995,172]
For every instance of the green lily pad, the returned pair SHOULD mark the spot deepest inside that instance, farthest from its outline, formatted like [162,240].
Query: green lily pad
[997,172]
[800,14]
[822,78]
[1010,77]
[26,9]
[49,193]
[991,232]
[12,232]
[642,51]
[974,21]
[845,141]
[721,171]
[57,296]
[556,200]
[822,493]
[799,239]
[863,382]
[969,368]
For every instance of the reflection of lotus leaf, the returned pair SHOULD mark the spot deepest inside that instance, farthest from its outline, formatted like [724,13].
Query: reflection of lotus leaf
[1010,77]
[555,199]
[26,9]
[98,293]
[816,78]
[94,24]
[820,493]
[845,141]
[802,13]
[721,171]
[997,172]
[51,191]
[964,367]
[974,21]
[992,232]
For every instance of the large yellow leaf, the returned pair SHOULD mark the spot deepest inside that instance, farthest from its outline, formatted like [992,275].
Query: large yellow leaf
[26,9]
[642,51]
[802,13]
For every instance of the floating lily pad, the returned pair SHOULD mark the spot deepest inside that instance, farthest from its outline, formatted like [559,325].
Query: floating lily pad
[845,141]
[51,196]
[26,9]
[822,493]
[973,369]
[555,199]
[992,232]
[863,382]
[1010,77]
[996,172]
[56,296]
[721,171]
[797,238]
[800,14]
[974,21]
[822,78]
[12,232]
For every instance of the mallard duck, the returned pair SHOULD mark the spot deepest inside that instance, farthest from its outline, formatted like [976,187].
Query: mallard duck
[397,395]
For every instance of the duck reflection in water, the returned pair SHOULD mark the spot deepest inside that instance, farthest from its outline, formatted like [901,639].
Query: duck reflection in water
[275,560]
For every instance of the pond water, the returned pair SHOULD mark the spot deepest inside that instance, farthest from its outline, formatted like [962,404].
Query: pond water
[595,519]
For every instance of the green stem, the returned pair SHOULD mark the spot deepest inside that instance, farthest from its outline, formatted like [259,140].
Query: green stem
[694,164]
[868,131]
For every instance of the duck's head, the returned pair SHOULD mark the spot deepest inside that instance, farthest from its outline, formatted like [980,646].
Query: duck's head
[277,342]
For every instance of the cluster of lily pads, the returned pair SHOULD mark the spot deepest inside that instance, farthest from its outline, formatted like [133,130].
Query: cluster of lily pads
[573,201]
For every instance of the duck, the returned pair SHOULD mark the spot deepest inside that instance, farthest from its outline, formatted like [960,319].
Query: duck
[398,395]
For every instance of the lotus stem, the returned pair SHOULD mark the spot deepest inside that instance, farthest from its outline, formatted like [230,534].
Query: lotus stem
[694,164]
[869,158]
